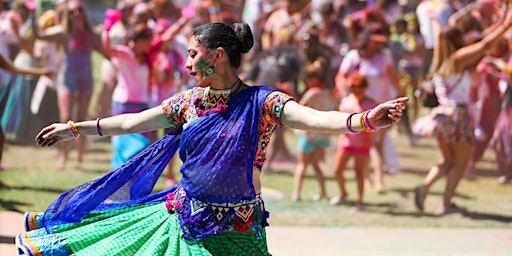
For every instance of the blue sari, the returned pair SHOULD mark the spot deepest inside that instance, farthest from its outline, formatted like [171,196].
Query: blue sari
[218,152]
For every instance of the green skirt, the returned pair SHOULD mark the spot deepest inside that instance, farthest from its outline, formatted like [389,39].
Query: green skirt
[146,229]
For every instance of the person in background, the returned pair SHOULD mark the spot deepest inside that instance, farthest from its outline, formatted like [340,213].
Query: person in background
[450,123]
[312,145]
[501,139]
[487,102]
[354,145]
[428,12]
[373,60]
[6,64]
[168,72]
[134,61]
[10,24]
[217,208]
[16,120]
[117,23]
[74,81]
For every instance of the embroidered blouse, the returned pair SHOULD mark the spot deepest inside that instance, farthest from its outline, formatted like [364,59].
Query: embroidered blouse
[179,109]
[216,192]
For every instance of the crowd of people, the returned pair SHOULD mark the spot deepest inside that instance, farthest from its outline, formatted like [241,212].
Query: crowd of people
[341,55]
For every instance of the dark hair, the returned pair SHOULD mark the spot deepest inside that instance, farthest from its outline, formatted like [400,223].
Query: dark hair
[235,39]
[138,32]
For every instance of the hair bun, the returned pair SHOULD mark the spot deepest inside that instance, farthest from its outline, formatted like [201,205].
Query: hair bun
[244,34]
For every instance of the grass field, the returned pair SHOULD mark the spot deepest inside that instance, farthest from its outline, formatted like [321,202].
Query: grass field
[33,182]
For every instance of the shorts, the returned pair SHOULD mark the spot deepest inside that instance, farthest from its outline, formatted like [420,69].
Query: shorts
[308,146]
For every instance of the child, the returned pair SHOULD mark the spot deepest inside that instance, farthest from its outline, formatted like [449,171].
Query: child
[355,145]
[312,144]
[134,62]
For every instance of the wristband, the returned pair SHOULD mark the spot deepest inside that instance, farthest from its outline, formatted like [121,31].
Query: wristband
[367,122]
[362,122]
[98,128]
[73,129]
[349,123]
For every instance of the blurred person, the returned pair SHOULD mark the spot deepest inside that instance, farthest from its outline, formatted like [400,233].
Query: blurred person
[6,64]
[362,19]
[142,13]
[75,81]
[373,60]
[353,145]
[451,123]
[407,48]
[281,25]
[118,27]
[50,54]
[168,73]
[17,121]
[412,58]
[312,49]
[440,11]
[326,37]
[166,9]
[217,208]
[10,24]
[312,145]
[134,60]
[501,139]
[487,102]
[279,71]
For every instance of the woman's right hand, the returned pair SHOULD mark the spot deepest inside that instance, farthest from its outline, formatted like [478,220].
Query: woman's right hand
[54,133]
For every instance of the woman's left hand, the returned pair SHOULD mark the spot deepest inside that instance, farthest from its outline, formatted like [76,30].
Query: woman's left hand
[388,113]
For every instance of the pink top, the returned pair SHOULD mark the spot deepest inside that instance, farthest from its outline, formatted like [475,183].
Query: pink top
[132,77]
[374,69]
[362,140]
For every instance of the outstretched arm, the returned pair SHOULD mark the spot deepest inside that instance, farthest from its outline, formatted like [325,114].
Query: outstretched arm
[304,118]
[148,120]
[9,67]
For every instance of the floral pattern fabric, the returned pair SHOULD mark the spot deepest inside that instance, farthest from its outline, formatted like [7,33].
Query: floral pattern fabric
[181,109]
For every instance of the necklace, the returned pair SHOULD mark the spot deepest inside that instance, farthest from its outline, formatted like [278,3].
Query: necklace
[214,97]
[214,100]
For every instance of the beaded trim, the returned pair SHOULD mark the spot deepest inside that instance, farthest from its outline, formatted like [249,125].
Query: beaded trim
[201,219]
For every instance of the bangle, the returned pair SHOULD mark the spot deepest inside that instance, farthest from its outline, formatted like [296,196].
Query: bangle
[74,130]
[362,122]
[98,128]
[367,122]
[349,123]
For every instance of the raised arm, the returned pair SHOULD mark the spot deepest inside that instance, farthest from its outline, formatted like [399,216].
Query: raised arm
[169,34]
[304,118]
[148,120]
[473,52]
[56,33]
[98,44]
[457,16]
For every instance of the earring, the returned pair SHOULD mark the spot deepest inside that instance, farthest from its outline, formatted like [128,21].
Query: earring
[209,71]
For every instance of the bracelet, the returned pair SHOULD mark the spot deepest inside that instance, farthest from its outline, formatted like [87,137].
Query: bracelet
[367,122]
[74,130]
[362,122]
[349,123]
[98,128]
